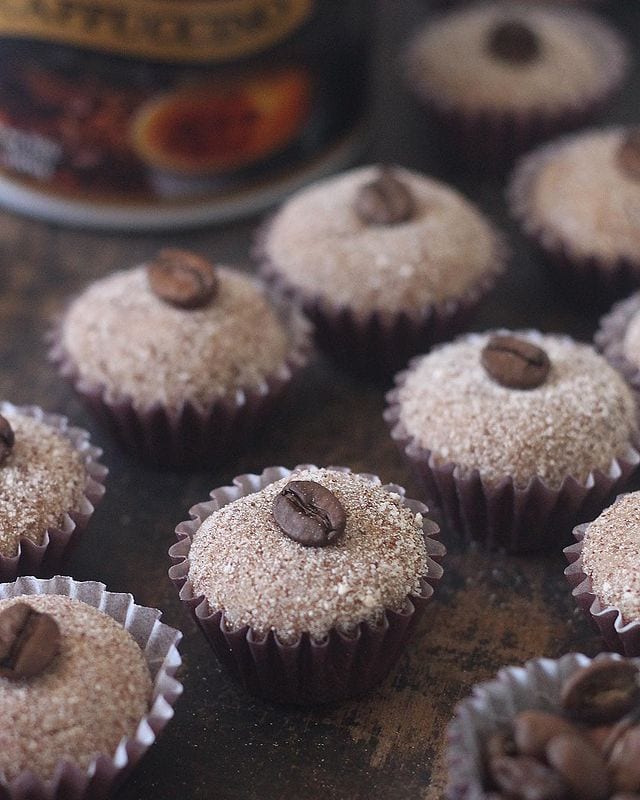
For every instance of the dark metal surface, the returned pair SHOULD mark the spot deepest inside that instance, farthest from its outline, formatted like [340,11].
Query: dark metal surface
[489,610]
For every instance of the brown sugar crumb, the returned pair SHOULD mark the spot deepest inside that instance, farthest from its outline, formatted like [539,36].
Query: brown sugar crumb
[243,564]
[120,335]
[42,479]
[94,692]
[580,419]
[611,556]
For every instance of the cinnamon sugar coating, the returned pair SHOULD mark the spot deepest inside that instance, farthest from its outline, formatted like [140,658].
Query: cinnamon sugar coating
[611,556]
[244,565]
[42,479]
[579,420]
[94,692]
[120,335]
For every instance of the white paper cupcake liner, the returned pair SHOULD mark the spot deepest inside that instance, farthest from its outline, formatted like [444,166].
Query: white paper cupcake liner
[493,705]
[308,671]
[189,437]
[57,543]
[158,643]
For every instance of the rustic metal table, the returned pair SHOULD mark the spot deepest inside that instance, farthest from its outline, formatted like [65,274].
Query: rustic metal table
[489,610]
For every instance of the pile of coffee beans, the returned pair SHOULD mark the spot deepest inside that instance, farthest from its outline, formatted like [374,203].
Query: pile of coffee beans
[589,749]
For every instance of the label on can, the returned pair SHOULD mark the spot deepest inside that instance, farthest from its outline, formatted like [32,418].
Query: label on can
[169,30]
[174,101]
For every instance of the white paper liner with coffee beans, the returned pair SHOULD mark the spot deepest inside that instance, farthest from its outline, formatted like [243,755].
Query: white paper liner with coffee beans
[158,643]
[57,542]
[566,729]
[500,511]
[301,669]
[190,435]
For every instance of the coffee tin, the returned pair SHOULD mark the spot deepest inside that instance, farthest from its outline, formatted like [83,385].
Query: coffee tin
[167,113]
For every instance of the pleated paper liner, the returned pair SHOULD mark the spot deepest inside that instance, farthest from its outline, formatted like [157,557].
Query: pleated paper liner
[504,515]
[619,636]
[609,338]
[190,437]
[489,139]
[375,345]
[158,643]
[491,707]
[308,671]
[586,279]
[57,543]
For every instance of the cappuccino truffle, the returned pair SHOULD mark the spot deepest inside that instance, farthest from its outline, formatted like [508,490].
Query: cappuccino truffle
[120,335]
[501,76]
[579,198]
[50,482]
[41,480]
[181,360]
[580,419]
[611,556]
[384,260]
[242,562]
[319,245]
[94,692]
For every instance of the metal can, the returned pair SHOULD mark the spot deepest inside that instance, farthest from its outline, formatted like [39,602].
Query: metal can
[164,113]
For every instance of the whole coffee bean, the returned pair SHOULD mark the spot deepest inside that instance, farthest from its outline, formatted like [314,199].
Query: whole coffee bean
[624,762]
[524,778]
[7,439]
[514,41]
[385,200]
[29,641]
[532,730]
[182,279]
[515,363]
[600,737]
[500,744]
[602,692]
[309,513]
[581,766]
[629,155]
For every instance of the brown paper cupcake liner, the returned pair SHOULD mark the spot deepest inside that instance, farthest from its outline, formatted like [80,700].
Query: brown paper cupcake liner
[585,278]
[505,515]
[492,706]
[189,437]
[377,344]
[618,636]
[159,645]
[57,542]
[609,338]
[308,671]
[491,138]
